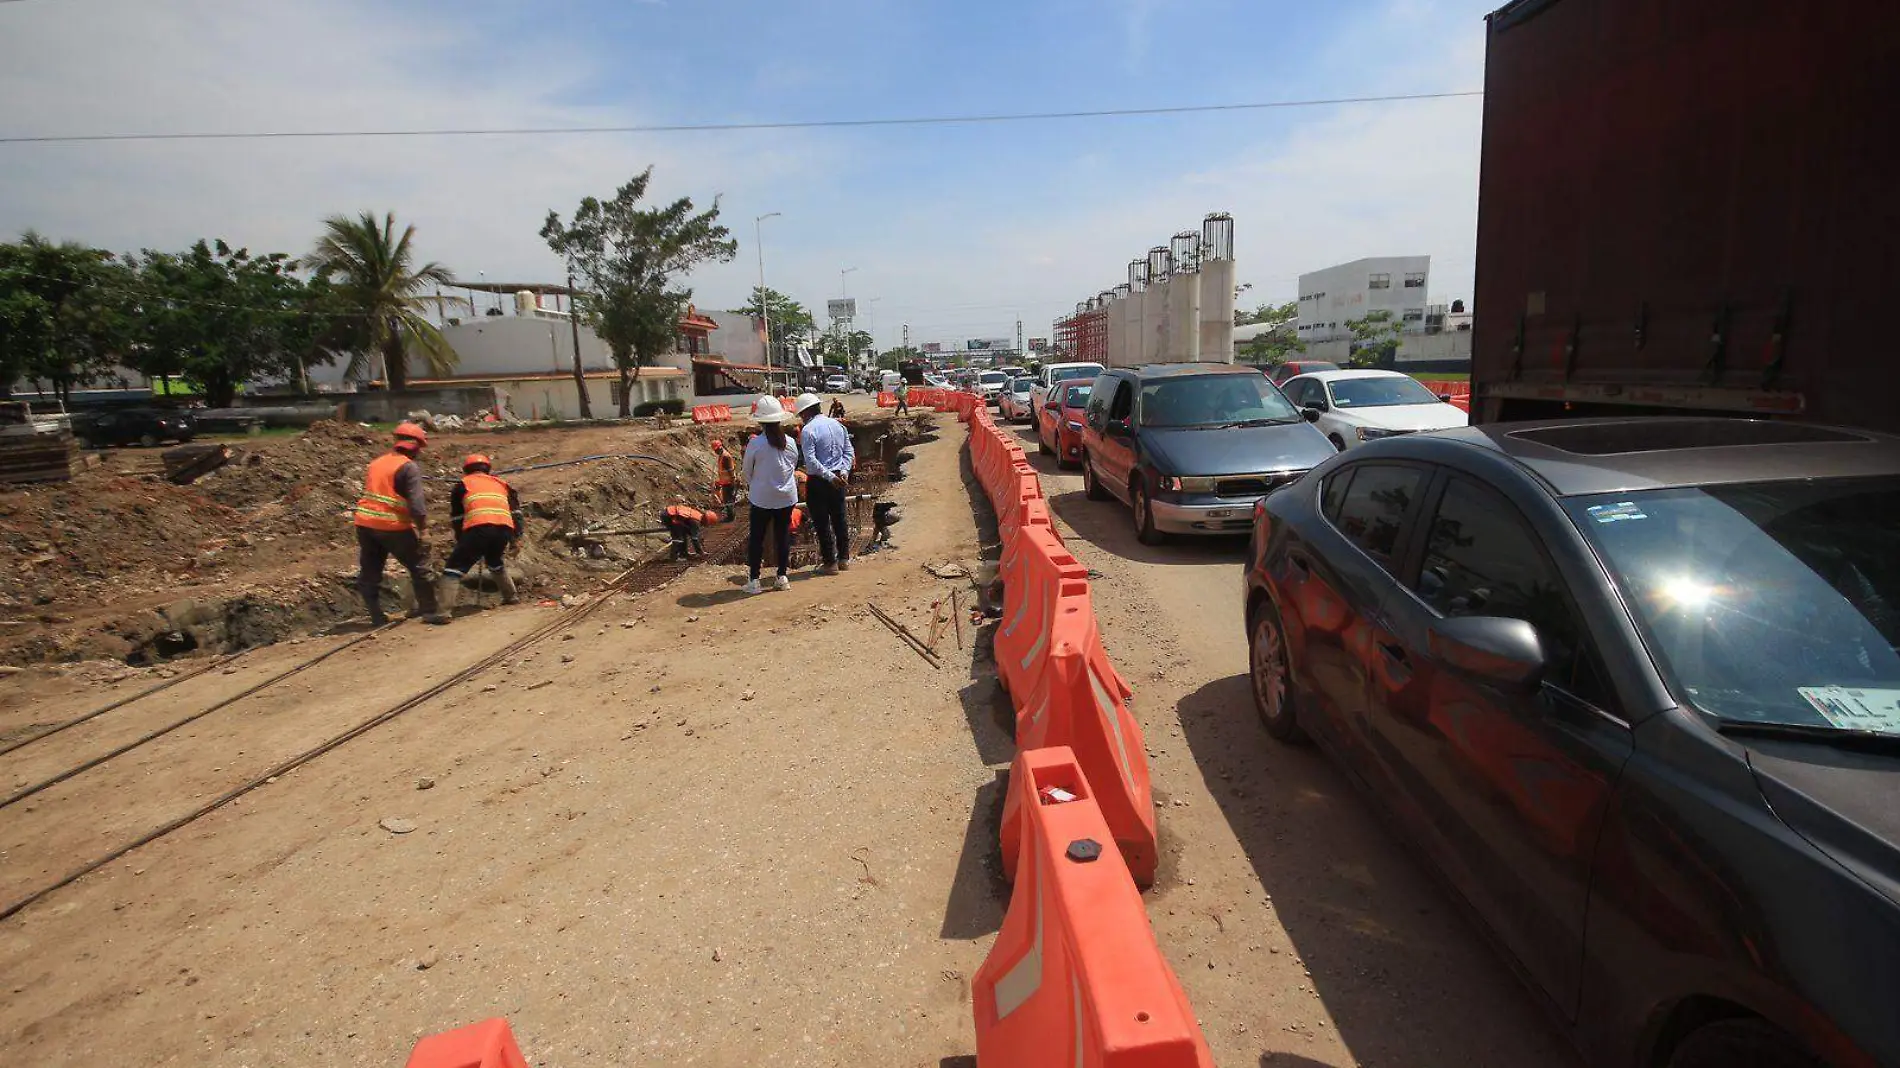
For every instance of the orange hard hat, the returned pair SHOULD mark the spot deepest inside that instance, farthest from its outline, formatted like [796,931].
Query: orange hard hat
[474,460]
[412,432]
[719,445]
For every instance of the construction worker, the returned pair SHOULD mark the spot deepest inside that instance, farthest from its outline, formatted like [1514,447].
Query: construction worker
[485,513]
[724,483]
[684,523]
[390,519]
[836,411]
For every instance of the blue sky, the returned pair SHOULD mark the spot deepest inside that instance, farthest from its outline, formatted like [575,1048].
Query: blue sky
[956,229]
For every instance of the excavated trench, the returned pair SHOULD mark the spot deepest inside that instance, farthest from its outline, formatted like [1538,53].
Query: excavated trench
[595,528]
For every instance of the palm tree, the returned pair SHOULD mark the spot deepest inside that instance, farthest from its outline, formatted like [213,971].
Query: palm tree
[371,268]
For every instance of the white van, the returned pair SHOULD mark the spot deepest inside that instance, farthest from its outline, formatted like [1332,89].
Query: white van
[887,381]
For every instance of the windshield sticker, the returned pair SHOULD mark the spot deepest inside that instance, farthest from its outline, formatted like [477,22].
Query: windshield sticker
[1856,708]
[1617,513]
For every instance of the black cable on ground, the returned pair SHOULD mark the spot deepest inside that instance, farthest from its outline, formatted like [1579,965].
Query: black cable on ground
[565,619]
[22,743]
[29,791]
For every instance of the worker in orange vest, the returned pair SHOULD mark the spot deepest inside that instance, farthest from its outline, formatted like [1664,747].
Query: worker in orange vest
[724,483]
[685,524]
[390,518]
[486,514]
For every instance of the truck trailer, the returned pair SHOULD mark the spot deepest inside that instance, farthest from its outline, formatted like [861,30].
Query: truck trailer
[1690,207]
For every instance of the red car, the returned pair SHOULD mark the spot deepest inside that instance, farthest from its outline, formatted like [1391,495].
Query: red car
[1059,429]
[1279,374]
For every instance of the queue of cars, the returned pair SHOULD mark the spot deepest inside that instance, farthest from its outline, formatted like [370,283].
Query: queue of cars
[1631,685]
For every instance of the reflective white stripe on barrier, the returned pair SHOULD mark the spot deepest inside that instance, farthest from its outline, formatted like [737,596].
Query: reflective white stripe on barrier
[1106,706]
[1020,983]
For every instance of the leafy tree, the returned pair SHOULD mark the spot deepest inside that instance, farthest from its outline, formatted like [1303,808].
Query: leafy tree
[628,257]
[790,319]
[374,273]
[1375,339]
[219,317]
[1277,345]
[62,314]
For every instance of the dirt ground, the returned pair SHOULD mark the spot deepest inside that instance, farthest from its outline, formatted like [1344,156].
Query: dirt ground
[121,565]
[700,828]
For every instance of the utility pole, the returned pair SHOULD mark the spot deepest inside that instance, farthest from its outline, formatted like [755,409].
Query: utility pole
[765,308]
[574,328]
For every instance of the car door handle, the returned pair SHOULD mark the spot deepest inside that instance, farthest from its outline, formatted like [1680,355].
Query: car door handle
[1300,562]
[1394,652]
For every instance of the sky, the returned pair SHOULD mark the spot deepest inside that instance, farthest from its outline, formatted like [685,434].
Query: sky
[957,230]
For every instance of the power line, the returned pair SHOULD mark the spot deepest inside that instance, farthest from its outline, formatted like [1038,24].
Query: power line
[541,131]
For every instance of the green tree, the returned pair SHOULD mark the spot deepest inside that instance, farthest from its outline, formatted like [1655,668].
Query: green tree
[790,319]
[1375,339]
[1276,345]
[374,274]
[629,256]
[62,313]
[219,317]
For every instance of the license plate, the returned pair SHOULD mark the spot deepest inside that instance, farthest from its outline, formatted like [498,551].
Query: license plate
[1220,513]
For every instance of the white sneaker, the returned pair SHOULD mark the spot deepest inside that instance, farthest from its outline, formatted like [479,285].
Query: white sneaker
[751,587]
[781,583]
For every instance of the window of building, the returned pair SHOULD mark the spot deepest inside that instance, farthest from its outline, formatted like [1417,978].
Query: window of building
[1379,281]
[1482,560]
[1413,315]
[1372,513]
[1415,279]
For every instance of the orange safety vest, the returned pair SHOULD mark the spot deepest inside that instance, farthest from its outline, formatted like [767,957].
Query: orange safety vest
[380,508]
[680,511]
[725,469]
[485,502]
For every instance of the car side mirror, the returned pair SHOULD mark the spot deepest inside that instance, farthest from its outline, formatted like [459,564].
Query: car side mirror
[1310,414]
[1502,650]
[1446,397]
[1314,408]
[1119,428]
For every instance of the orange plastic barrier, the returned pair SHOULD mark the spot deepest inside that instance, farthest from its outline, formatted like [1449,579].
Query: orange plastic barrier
[1049,657]
[702,413]
[722,413]
[1075,976]
[886,400]
[489,1044]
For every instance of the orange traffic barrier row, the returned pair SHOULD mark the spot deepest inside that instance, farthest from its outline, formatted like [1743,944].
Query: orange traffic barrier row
[1050,658]
[886,400]
[489,1044]
[712,413]
[1075,975]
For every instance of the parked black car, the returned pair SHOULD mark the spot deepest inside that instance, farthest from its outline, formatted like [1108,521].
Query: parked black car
[1632,687]
[1191,447]
[134,426]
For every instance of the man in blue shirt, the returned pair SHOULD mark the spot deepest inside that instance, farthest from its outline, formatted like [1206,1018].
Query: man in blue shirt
[828,461]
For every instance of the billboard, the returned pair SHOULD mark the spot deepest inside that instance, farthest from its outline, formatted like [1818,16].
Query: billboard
[933,346]
[842,309]
[988,344]
[1038,344]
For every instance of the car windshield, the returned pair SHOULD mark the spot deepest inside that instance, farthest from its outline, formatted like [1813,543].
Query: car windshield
[1020,385]
[1213,400]
[993,378]
[1063,374]
[1380,392]
[1077,396]
[1774,602]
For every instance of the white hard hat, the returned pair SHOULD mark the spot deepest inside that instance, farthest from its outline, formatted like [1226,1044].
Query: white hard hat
[807,401]
[768,410]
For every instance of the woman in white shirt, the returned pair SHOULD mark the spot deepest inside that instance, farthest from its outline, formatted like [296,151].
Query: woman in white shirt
[770,470]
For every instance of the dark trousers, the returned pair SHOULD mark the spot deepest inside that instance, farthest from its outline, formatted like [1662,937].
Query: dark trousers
[902,406]
[373,550]
[781,520]
[686,536]
[825,503]
[486,543]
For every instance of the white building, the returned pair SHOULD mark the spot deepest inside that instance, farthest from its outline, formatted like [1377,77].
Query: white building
[1331,298]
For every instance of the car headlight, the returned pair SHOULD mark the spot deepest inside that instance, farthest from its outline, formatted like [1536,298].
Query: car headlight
[1170,484]
[1075,426]
[1188,484]
[1366,433]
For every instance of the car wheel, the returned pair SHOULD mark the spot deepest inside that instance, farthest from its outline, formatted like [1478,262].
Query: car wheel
[1272,674]
[1338,443]
[1741,1044]
[1091,486]
[148,440]
[1143,508]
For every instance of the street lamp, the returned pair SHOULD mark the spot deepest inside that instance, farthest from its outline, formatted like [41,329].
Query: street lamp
[872,305]
[765,309]
[843,290]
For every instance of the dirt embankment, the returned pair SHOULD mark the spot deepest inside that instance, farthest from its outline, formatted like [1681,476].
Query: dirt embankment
[119,564]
